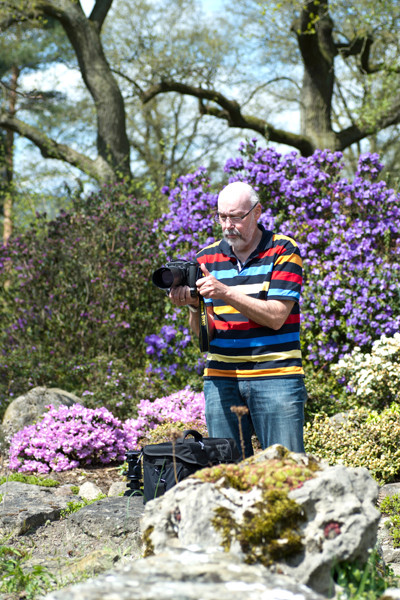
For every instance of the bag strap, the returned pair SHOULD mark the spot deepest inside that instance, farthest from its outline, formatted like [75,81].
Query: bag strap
[197,436]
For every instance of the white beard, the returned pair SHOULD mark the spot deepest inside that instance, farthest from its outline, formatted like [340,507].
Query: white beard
[237,242]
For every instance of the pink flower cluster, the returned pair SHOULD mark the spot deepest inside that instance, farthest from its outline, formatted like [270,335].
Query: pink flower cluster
[68,437]
[185,406]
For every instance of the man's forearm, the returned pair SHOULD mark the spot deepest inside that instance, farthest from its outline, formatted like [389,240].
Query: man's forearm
[269,313]
[194,319]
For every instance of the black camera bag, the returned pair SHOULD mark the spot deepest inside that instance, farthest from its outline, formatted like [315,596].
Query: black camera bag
[189,454]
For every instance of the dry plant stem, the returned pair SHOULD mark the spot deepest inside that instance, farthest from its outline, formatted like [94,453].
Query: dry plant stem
[174,460]
[174,436]
[239,412]
[241,435]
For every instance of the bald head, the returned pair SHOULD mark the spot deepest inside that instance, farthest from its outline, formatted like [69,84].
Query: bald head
[239,193]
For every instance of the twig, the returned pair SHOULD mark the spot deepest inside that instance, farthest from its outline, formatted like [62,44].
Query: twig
[240,411]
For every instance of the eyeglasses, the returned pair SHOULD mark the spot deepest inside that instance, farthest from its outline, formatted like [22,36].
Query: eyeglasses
[236,219]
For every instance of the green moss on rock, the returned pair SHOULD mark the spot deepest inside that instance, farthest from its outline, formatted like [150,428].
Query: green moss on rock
[271,529]
[268,533]
[148,544]
[284,473]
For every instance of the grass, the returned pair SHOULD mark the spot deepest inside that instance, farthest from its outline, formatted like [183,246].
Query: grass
[19,581]
[367,582]
[73,507]
[31,479]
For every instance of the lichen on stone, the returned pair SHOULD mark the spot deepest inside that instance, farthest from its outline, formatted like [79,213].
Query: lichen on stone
[270,529]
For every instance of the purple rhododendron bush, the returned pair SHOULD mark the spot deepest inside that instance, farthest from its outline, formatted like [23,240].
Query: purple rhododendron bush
[76,436]
[348,230]
[79,310]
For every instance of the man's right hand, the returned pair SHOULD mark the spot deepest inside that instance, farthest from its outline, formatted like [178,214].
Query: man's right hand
[180,296]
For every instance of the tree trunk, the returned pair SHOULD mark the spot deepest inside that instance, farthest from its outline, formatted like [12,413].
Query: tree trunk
[9,160]
[84,35]
[314,34]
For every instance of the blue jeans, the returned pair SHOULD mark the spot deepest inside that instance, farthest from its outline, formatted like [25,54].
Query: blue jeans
[276,410]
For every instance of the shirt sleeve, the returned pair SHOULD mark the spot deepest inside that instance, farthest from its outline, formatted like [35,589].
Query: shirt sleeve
[287,273]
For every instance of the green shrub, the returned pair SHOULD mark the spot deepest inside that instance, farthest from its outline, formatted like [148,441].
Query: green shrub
[364,582]
[360,438]
[23,582]
[76,292]
[115,384]
[390,507]
[165,431]
[325,393]
[73,507]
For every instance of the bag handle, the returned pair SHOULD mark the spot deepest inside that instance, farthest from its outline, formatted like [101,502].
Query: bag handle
[197,436]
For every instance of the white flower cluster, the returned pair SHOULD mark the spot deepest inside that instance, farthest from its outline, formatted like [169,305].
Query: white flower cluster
[374,373]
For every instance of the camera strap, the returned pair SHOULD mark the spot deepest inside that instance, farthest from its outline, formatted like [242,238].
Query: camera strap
[204,333]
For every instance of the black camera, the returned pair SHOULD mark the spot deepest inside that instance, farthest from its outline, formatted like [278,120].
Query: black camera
[134,473]
[176,273]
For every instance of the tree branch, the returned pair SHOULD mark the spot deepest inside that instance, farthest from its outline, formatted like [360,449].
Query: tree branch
[360,46]
[99,12]
[112,140]
[49,148]
[230,111]
[355,133]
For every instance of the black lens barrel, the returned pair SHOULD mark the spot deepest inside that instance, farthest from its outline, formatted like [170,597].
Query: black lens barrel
[168,277]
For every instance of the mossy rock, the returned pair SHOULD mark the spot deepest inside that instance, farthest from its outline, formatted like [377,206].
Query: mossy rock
[270,529]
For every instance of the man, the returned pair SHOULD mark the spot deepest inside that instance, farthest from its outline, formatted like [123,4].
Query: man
[252,279]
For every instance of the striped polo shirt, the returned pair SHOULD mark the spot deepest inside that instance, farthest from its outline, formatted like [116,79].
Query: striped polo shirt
[242,348]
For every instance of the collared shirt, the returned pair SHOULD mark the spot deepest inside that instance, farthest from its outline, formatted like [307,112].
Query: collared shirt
[242,348]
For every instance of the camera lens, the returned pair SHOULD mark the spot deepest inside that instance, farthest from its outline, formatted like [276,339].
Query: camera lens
[167,278]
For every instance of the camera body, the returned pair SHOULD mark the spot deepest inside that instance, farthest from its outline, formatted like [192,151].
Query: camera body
[176,273]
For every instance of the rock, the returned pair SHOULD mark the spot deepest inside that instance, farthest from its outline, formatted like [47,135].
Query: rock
[107,535]
[391,594]
[111,517]
[339,520]
[188,575]
[27,409]
[94,562]
[25,507]
[89,491]
[117,488]
[94,538]
[64,490]
[389,489]
[390,555]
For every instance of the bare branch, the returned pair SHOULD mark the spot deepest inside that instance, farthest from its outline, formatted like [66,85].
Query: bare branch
[33,95]
[49,148]
[355,133]
[99,12]
[230,111]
